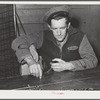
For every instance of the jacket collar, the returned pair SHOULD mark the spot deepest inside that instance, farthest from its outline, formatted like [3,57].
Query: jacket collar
[71,31]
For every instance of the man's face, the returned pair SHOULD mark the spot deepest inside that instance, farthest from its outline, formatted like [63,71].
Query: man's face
[58,28]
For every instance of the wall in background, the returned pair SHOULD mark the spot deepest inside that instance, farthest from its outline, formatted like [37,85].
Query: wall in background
[88,17]
[9,66]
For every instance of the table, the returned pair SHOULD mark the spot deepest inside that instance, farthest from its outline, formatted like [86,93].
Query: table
[67,80]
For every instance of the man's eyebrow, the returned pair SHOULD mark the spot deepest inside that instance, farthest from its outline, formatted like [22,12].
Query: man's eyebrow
[53,27]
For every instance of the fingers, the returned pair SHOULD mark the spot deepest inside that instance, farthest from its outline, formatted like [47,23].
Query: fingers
[54,64]
[40,71]
[32,70]
[56,68]
[59,66]
[36,70]
[57,59]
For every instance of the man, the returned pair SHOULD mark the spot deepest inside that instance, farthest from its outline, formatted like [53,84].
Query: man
[62,48]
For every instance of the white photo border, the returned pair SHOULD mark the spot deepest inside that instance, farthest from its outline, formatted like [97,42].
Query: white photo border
[25,94]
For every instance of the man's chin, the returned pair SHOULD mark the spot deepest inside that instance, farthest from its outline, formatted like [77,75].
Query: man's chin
[60,40]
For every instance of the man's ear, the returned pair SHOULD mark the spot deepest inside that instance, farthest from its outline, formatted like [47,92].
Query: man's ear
[49,26]
[69,25]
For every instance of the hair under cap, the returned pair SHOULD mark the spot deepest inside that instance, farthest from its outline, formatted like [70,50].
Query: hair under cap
[54,10]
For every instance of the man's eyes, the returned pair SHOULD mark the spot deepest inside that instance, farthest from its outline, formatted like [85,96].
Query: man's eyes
[60,28]
[54,28]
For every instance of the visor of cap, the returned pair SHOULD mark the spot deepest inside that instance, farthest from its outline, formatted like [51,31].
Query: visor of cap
[54,10]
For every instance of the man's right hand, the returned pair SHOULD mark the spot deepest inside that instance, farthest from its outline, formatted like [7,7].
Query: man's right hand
[34,67]
[35,70]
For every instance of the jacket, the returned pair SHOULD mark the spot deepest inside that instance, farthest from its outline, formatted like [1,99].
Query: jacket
[76,50]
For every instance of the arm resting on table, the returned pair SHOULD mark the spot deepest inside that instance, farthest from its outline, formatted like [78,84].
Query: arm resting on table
[89,59]
[21,45]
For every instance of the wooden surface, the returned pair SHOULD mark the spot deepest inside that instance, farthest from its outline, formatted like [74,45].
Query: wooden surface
[80,80]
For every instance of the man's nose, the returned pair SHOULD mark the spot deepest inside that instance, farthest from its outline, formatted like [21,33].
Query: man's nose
[58,32]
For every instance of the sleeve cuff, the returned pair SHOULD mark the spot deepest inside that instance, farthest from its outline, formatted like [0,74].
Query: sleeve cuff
[73,68]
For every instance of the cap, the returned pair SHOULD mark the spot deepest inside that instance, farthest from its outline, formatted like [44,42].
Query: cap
[55,10]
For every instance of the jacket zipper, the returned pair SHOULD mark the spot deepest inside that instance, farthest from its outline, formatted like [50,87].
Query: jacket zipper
[61,48]
[60,52]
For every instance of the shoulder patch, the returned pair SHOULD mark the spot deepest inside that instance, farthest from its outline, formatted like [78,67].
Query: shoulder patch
[72,48]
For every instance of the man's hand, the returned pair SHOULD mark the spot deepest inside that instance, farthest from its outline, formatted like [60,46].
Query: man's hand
[34,67]
[35,70]
[61,65]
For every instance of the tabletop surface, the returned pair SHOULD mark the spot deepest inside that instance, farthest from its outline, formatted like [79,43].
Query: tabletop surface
[67,80]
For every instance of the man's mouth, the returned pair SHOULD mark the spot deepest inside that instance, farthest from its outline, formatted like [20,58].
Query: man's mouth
[59,36]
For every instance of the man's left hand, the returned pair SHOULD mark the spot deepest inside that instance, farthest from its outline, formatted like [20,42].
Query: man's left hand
[61,65]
